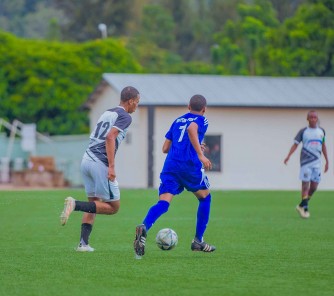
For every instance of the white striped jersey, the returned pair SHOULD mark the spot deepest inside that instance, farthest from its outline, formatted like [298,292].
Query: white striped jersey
[312,139]
[116,117]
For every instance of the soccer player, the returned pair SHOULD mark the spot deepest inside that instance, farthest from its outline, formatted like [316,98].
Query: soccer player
[98,167]
[313,139]
[183,169]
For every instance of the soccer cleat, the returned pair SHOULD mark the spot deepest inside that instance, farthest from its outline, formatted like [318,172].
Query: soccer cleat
[69,206]
[84,248]
[303,214]
[198,246]
[140,240]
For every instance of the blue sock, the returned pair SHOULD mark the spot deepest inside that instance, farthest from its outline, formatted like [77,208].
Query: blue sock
[155,212]
[203,214]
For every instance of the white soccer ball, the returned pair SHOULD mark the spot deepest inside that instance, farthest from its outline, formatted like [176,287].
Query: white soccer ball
[166,239]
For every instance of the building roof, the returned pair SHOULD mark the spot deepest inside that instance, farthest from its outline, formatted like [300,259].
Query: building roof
[233,91]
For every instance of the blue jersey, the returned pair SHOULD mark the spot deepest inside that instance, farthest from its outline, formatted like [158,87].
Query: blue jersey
[182,154]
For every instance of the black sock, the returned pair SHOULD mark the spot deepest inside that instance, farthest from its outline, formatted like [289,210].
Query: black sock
[86,229]
[85,206]
[304,204]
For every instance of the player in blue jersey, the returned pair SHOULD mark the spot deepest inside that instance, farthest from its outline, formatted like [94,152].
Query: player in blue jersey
[183,169]
[98,167]
[313,139]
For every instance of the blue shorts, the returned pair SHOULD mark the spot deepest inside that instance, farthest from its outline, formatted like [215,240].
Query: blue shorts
[175,182]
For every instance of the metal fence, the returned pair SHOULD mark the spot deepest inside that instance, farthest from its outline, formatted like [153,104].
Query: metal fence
[67,152]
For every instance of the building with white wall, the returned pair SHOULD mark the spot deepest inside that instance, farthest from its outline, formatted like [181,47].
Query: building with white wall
[254,120]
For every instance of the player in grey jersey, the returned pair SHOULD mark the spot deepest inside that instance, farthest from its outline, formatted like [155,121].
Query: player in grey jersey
[313,139]
[98,167]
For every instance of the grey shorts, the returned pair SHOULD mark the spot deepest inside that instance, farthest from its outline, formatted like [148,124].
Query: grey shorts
[97,184]
[309,173]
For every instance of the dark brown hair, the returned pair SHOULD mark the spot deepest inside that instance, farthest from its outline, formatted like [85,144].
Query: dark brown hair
[197,102]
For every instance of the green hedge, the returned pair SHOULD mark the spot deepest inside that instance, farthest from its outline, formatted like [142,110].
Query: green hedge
[47,82]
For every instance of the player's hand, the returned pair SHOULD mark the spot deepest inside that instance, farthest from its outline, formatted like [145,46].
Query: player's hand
[326,167]
[206,163]
[286,160]
[111,173]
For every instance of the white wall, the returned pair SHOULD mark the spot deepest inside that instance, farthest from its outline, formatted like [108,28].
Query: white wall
[255,143]
[131,158]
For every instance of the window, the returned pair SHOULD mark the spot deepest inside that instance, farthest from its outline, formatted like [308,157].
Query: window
[214,151]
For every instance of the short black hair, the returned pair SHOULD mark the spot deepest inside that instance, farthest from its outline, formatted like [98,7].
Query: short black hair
[197,102]
[311,111]
[128,93]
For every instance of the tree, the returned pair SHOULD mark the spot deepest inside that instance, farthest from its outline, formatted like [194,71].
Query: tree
[157,27]
[193,28]
[43,23]
[31,18]
[48,82]
[236,46]
[286,8]
[327,3]
[222,11]
[303,46]
[84,16]
[180,10]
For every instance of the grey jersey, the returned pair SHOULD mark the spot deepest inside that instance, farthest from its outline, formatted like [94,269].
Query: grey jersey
[115,117]
[312,139]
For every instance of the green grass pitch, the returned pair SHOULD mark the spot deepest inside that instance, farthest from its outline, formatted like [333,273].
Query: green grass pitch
[263,247]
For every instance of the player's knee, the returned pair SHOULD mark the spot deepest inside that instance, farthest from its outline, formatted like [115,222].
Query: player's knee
[207,198]
[113,209]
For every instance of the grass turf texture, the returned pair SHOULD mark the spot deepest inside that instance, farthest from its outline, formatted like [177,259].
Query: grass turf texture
[263,247]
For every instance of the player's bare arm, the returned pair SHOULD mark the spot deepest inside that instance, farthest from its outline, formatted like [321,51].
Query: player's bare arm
[193,137]
[324,151]
[166,146]
[292,150]
[110,149]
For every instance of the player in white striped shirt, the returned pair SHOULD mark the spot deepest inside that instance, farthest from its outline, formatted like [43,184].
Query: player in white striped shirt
[313,141]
